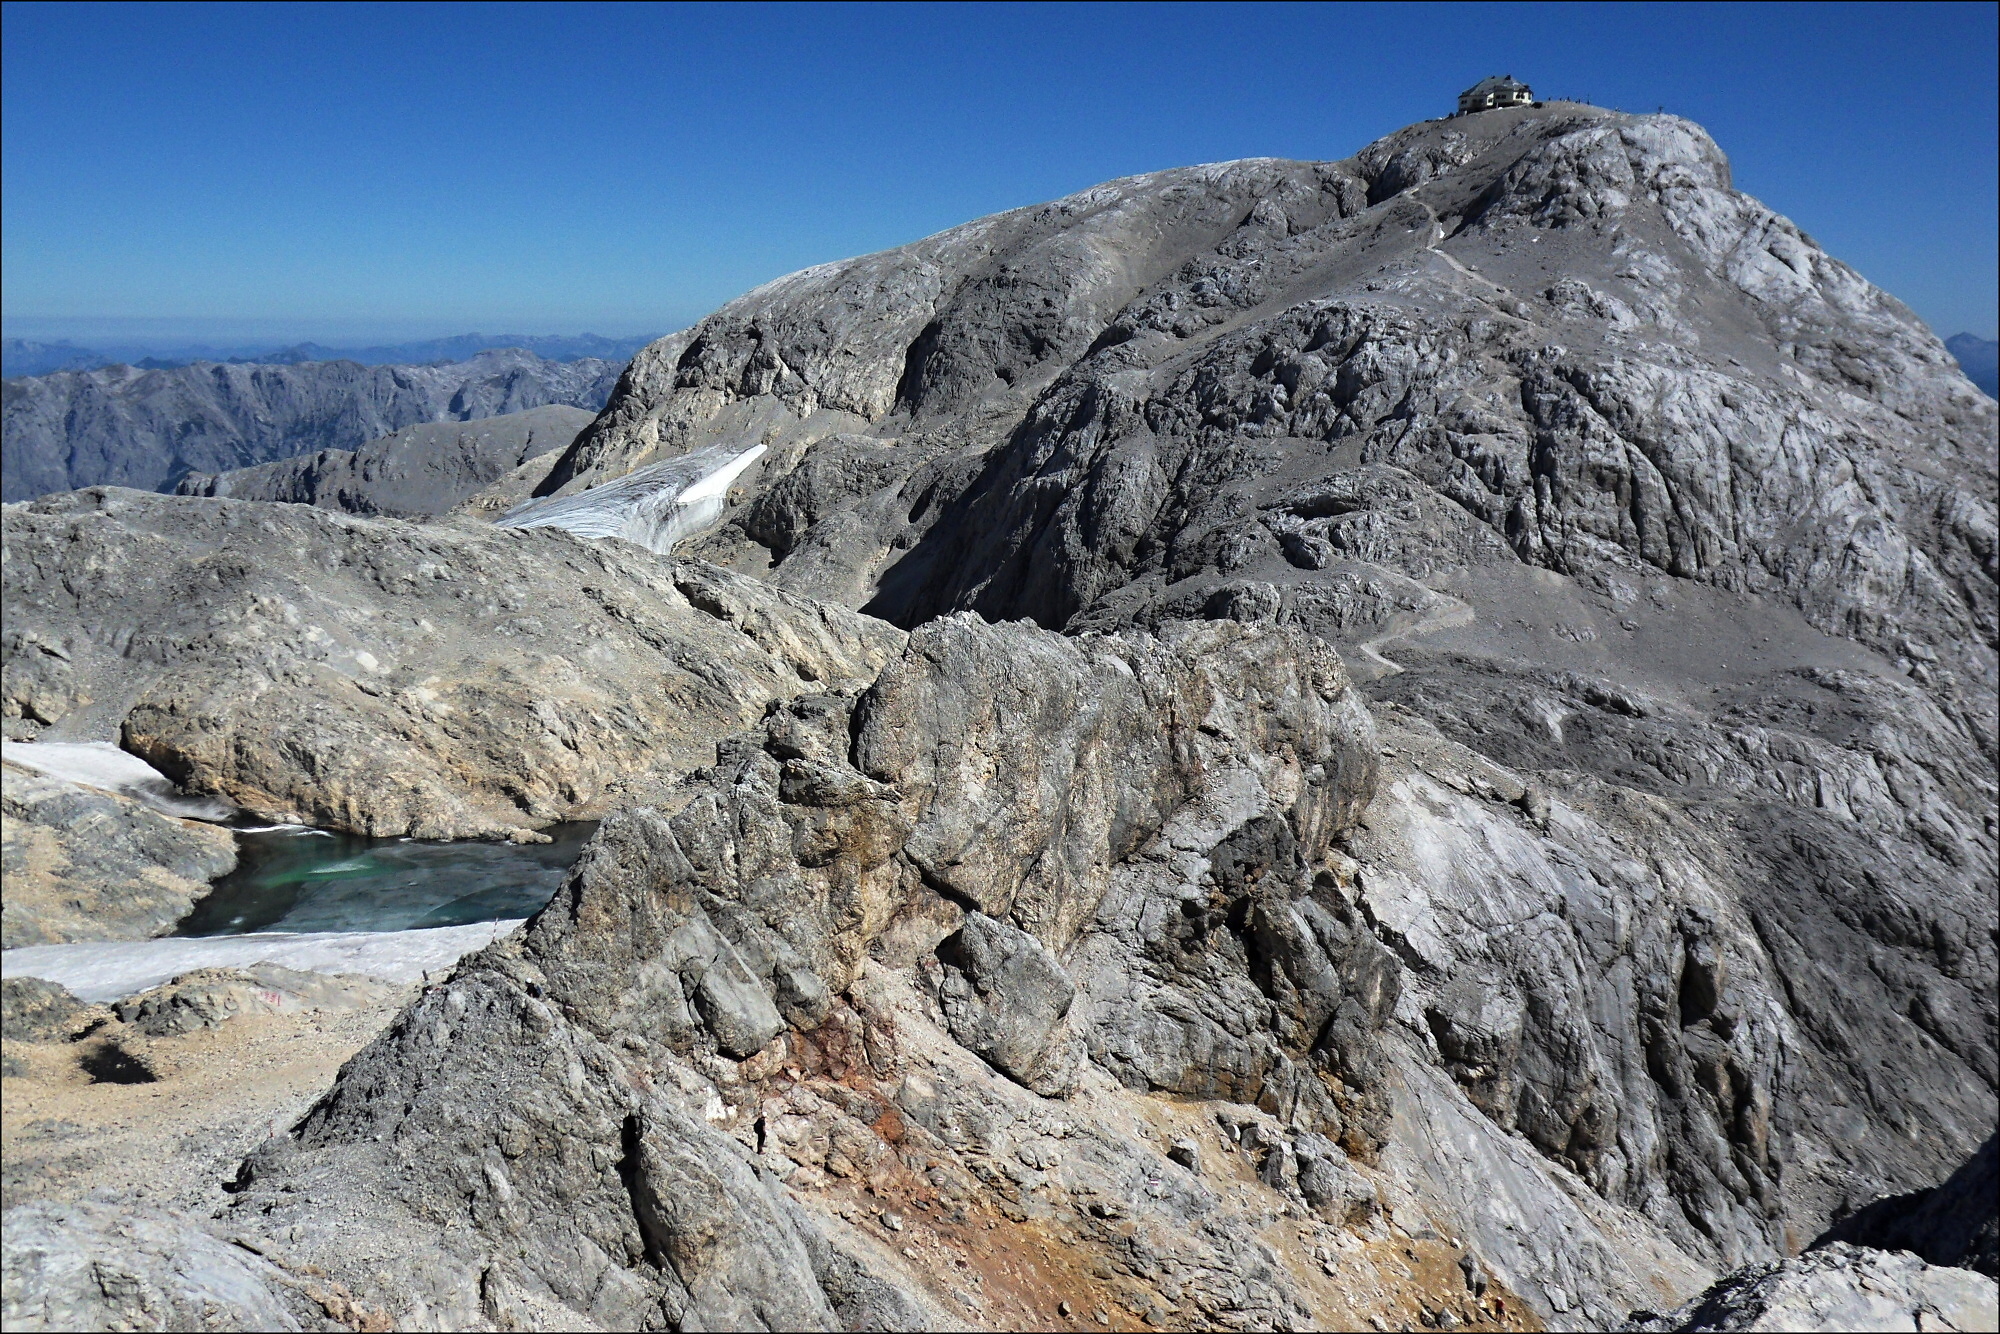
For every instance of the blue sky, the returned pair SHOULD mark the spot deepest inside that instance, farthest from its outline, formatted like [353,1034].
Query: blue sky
[355,171]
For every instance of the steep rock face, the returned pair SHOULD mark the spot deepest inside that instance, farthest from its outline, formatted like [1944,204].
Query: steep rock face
[83,864]
[1616,978]
[424,469]
[1592,465]
[743,1018]
[443,680]
[122,426]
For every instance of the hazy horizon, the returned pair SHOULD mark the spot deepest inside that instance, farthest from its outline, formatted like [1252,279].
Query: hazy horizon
[168,331]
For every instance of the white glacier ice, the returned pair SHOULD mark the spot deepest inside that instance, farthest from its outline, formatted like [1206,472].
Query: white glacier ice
[654,507]
[101,765]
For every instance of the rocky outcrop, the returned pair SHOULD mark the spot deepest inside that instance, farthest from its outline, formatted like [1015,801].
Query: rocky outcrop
[424,469]
[957,830]
[1841,1288]
[97,1266]
[1591,466]
[124,426]
[445,680]
[85,864]
[210,997]
[883,1005]
[33,1009]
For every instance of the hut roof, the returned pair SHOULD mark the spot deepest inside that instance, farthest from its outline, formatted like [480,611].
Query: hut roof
[1496,83]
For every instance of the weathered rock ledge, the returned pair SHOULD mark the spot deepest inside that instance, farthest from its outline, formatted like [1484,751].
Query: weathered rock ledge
[440,680]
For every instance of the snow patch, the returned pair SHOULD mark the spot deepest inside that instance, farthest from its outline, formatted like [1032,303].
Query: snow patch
[654,507]
[112,970]
[101,765]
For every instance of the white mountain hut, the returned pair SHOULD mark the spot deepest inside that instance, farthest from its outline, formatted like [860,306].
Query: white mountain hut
[1501,90]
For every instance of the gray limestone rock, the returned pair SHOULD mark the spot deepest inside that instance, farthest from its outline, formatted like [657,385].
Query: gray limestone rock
[1330,1184]
[1459,683]
[1618,985]
[724,1230]
[210,997]
[1584,460]
[428,468]
[1213,345]
[1841,1288]
[126,426]
[86,864]
[635,1025]
[104,1266]
[1004,998]
[33,1009]
[440,680]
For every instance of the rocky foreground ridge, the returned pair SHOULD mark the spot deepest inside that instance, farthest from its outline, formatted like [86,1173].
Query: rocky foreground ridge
[1276,745]
[127,426]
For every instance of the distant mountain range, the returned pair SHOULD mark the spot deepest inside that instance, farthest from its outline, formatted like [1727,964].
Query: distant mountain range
[22,357]
[150,427]
[1979,358]
[26,357]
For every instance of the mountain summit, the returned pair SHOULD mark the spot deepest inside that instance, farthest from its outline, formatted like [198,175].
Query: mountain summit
[1561,325]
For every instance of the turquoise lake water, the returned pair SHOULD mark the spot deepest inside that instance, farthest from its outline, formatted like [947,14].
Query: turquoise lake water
[291,879]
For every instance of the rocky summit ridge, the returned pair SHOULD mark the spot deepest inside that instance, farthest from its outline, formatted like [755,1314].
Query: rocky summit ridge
[1271,745]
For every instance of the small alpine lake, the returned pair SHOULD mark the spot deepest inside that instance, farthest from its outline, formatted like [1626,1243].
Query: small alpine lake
[290,878]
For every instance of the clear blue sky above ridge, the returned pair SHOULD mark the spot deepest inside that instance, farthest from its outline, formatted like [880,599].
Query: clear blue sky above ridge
[359,170]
